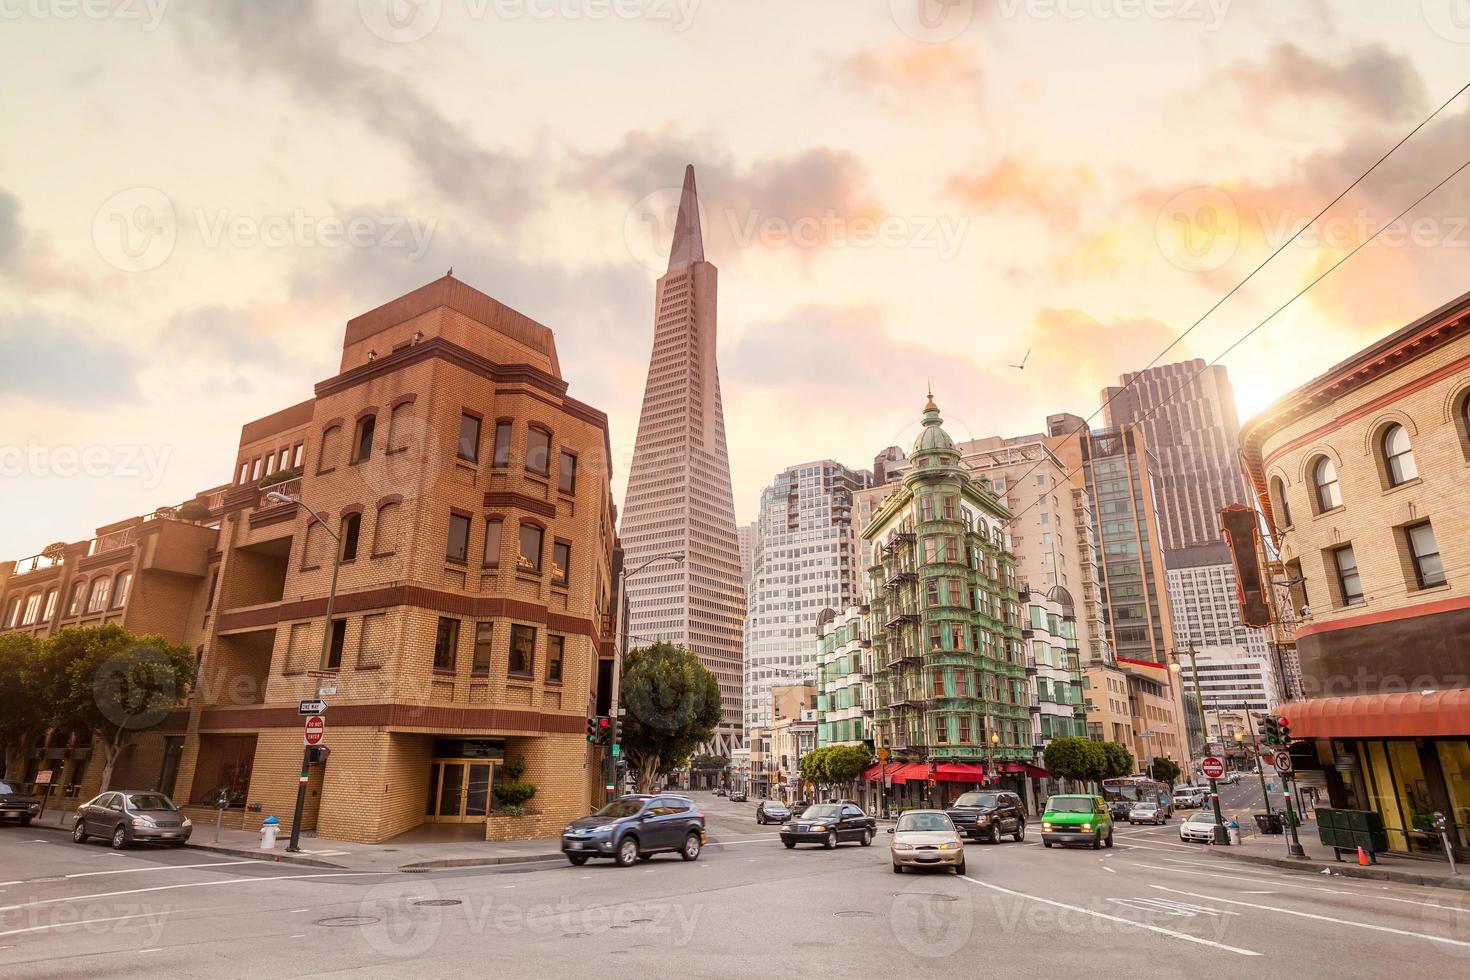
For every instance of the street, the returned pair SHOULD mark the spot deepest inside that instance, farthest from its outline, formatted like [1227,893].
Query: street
[747,907]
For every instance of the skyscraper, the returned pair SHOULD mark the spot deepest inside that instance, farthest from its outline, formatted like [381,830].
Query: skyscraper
[679,497]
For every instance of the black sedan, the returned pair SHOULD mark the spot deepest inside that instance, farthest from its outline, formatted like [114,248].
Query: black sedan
[772,811]
[15,805]
[829,824]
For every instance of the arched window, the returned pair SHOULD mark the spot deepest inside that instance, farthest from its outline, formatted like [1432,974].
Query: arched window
[97,598]
[121,588]
[1398,455]
[351,527]
[1278,497]
[385,534]
[74,601]
[50,609]
[32,609]
[327,458]
[1324,484]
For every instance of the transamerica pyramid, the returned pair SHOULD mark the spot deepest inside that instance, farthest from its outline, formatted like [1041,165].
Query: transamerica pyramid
[679,497]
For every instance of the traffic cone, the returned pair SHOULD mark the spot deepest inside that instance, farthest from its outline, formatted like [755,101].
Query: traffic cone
[1362,856]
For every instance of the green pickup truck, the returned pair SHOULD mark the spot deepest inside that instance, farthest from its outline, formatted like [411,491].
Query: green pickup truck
[1077,819]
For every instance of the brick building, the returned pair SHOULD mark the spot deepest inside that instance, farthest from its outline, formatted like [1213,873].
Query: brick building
[472,616]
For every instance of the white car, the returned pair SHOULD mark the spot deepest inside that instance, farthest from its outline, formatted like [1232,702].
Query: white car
[1147,813]
[1200,827]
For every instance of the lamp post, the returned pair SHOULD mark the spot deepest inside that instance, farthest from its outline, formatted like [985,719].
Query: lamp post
[990,756]
[1222,836]
[609,767]
[1152,755]
[295,845]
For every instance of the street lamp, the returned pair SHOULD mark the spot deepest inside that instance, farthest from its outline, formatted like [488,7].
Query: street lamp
[609,767]
[294,846]
[990,756]
[1222,836]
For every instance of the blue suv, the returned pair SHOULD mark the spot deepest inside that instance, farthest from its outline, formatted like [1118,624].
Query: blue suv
[634,828]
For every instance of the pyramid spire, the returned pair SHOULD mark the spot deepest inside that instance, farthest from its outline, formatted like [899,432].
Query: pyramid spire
[688,241]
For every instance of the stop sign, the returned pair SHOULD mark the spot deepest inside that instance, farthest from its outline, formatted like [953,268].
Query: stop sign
[316,727]
[1212,767]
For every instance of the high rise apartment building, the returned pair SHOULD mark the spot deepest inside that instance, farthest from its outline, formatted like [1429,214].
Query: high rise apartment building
[679,498]
[1203,605]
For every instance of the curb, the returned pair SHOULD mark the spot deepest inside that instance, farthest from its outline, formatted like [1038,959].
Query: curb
[265,857]
[1345,870]
[480,862]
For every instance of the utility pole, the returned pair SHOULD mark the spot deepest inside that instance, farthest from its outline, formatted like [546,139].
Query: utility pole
[1260,763]
[1222,836]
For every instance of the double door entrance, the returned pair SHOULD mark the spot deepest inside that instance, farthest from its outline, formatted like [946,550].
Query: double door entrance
[459,790]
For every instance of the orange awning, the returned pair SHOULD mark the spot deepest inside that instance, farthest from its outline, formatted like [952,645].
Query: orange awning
[1405,715]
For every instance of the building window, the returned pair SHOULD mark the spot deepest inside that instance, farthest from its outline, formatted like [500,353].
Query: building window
[931,593]
[964,728]
[458,547]
[936,640]
[1424,552]
[1398,456]
[484,645]
[363,442]
[1324,485]
[244,472]
[502,445]
[296,455]
[50,609]
[385,533]
[1349,584]
[446,643]
[74,601]
[270,463]
[1278,494]
[941,730]
[97,599]
[566,473]
[561,560]
[522,661]
[33,609]
[532,538]
[12,615]
[926,507]
[255,468]
[120,589]
[492,542]
[334,651]
[962,690]
[469,437]
[949,507]
[351,526]
[398,426]
[939,683]
[555,652]
[327,458]
[538,451]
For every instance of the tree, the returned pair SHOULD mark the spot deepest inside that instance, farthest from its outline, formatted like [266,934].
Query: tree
[673,706]
[1118,761]
[114,685]
[24,718]
[1165,771]
[845,763]
[704,762]
[1075,758]
[812,767]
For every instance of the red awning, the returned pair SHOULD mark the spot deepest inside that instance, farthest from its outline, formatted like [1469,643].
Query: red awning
[960,772]
[1025,768]
[909,770]
[1406,715]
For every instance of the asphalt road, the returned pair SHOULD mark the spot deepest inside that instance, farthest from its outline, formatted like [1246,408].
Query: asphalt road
[747,908]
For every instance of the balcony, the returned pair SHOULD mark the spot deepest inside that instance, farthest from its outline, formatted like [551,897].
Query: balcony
[899,618]
[38,563]
[902,655]
[112,541]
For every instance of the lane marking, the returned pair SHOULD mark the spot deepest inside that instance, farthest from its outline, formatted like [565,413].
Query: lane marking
[1109,870]
[192,884]
[79,922]
[1116,918]
[295,911]
[1320,918]
[1310,888]
[158,867]
[155,949]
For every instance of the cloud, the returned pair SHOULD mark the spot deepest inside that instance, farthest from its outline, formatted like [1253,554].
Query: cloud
[1027,186]
[64,362]
[1371,79]
[1081,354]
[285,38]
[902,75]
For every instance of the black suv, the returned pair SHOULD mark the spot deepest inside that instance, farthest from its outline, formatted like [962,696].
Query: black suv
[634,828]
[14,803]
[986,815]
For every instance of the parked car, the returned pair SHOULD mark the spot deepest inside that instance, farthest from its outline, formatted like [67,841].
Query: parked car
[829,824]
[926,839]
[772,811]
[721,791]
[1077,818]
[635,828]
[737,796]
[988,815]
[1147,813]
[15,805]
[1200,827]
[126,817]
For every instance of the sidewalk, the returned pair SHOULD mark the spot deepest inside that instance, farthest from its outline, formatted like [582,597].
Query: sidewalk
[1270,850]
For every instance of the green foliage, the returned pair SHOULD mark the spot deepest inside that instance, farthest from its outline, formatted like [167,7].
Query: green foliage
[1079,759]
[23,716]
[279,476]
[194,510]
[1118,761]
[512,810]
[710,763]
[511,770]
[1165,771]
[514,794]
[834,765]
[673,706]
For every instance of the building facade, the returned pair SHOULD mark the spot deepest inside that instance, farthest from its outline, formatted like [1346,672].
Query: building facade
[468,495]
[679,498]
[804,561]
[844,678]
[1362,474]
[1202,602]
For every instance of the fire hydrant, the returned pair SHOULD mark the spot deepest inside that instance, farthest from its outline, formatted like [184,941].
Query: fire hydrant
[269,828]
[1233,826]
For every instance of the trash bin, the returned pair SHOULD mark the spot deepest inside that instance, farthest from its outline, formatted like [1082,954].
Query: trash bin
[269,828]
[1269,823]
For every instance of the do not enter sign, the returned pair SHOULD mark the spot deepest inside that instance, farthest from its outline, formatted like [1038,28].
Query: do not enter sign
[1212,767]
[316,727]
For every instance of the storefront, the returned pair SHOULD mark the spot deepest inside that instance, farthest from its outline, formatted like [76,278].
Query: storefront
[921,785]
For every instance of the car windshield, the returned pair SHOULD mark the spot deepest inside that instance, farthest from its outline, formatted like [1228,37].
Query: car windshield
[818,812]
[150,801]
[975,799]
[1070,804]
[6,788]
[924,822]
[774,805]
[1145,806]
[1201,818]
[621,808]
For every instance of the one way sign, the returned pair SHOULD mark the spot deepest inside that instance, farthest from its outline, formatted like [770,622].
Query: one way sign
[313,708]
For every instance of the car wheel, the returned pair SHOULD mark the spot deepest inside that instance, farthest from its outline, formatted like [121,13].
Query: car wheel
[831,840]
[25,821]
[691,848]
[789,844]
[577,859]
[760,819]
[119,838]
[1020,832]
[627,854]
[1110,839]
[995,834]
[897,869]
[1046,843]
[867,838]
[1097,840]
[959,869]
[79,832]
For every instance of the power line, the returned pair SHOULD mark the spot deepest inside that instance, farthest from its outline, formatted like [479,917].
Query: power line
[1236,288]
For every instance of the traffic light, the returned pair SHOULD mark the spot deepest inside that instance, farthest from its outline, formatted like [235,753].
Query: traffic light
[1283,730]
[599,730]
[1270,730]
[592,731]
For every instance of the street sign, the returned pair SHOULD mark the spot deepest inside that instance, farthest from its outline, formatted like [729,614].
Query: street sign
[617,750]
[43,778]
[312,708]
[316,727]
[1283,762]
[325,692]
[1212,767]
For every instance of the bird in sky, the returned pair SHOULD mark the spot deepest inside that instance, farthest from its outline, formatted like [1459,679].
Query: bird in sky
[1022,365]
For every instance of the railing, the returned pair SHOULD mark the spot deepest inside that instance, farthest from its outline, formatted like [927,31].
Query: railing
[37,562]
[112,541]
[290,488]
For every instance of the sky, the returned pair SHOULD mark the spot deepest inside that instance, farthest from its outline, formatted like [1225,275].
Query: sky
[195,198]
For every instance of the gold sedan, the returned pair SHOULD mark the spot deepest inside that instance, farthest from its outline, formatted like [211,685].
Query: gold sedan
[927,839]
